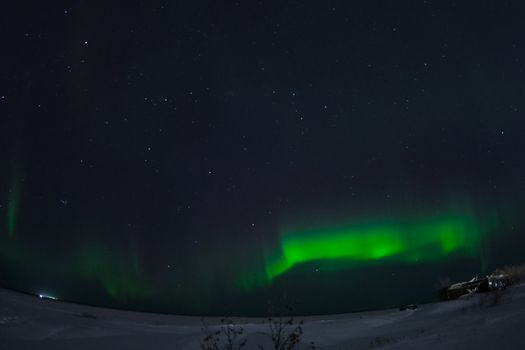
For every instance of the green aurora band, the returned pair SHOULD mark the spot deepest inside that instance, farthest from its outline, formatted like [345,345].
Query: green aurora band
[412,241]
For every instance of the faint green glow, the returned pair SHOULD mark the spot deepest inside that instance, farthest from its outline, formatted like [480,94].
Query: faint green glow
[12,209]
[13,199]
[413,241]
[119,275]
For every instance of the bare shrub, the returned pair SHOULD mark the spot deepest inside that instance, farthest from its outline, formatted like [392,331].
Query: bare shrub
[233,335]
[380,341]
[284,332]
[227,337]
[211,339]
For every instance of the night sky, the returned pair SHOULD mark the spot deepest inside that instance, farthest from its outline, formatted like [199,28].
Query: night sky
[218,157]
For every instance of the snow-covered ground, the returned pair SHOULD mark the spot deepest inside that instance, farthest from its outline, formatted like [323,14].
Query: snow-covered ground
[28,322]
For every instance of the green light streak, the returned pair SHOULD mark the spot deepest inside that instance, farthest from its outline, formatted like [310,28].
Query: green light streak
[410,242]
[12,209]
[119,275]
[13,198]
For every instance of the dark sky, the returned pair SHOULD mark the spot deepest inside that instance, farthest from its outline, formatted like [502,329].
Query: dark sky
[155,154]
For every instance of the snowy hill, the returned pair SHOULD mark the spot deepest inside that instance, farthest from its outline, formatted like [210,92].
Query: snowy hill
[479,322]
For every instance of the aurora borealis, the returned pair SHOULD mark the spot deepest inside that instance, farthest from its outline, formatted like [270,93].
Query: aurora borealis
[432,239]
[216,157]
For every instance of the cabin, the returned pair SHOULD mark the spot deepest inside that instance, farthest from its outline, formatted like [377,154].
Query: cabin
[495,281]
